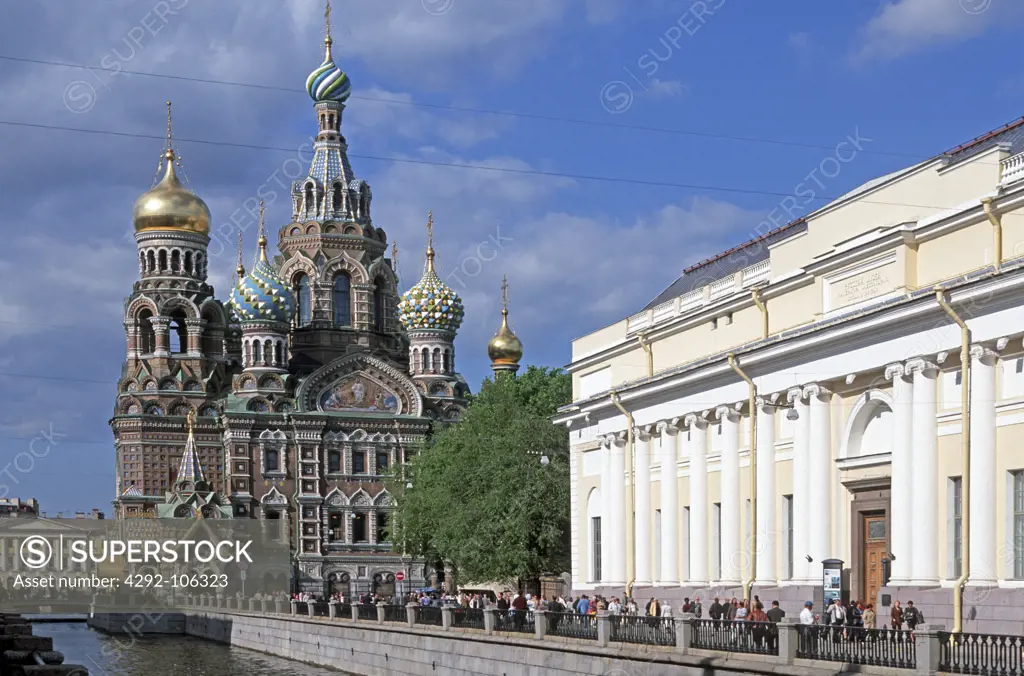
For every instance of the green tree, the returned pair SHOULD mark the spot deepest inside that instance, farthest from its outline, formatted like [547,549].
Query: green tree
[481,500]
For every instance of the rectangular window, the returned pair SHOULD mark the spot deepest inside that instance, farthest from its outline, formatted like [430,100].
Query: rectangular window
[359,462]
[359,528]
[382,463]
[382,527]
[956,487]
[656,568]
[686,542]
[716,541]
[595,547]
[334,461]
[787,511]
[1018,525]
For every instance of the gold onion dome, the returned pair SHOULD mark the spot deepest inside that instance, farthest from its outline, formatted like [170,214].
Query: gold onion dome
[505,349]
[169,205]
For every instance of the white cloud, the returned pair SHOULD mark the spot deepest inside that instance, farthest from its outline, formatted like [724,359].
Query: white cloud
[665,89]
[906,26]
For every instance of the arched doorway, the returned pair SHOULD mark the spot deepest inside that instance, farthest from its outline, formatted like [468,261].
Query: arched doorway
[340,583]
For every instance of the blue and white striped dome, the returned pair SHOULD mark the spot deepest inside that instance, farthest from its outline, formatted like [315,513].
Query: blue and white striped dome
[261,295]
[328,82]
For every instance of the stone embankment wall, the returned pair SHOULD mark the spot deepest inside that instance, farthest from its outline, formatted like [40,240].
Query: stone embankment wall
[22,654]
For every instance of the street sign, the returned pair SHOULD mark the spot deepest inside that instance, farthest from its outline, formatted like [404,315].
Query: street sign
[399,576]
[242,565]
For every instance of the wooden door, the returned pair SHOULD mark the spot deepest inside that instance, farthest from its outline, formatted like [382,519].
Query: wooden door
[875,532]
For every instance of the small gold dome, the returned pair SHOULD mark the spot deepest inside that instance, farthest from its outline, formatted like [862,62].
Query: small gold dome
[505,349]
[171,206]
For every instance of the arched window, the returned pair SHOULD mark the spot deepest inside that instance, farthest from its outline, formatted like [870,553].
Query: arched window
[188,262]
[268,353]
[305,300]
[437,359]
[163,260]
[309,204]
[330,121]
[342,300]
[175,261]
[423,360]
[273,465]
[151,259]
[279,353]
[248,354]
[446,363]
[147,338]
[177,333]
[379,313]
[200,269]
[336,197]
[256,352]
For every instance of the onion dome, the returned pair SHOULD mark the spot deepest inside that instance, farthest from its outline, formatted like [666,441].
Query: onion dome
[328,82]
[430,304]
[169,205]
[261,295]
[505,349]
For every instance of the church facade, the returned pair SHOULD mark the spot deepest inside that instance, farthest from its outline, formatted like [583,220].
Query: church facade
[873,430]
[309,386]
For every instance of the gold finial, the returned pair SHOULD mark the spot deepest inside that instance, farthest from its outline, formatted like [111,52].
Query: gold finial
[504,296]
[430,241]
[327,22]
[239,268]
[262,241]
[168,125]
[191,420]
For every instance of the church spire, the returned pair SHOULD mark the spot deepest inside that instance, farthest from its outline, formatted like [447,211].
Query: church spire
[504,349]
[190,472]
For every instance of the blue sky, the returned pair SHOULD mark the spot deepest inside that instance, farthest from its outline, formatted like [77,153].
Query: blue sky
[732,102]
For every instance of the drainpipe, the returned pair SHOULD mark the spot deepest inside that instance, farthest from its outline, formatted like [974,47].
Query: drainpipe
[965,445]
[642,339]
[756,295]
[997,231]
[632,495]
[749,582]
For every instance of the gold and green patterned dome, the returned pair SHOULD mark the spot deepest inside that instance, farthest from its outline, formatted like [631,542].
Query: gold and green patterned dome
[431,304]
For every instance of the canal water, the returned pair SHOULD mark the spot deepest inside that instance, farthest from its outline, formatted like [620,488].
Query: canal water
[106,655]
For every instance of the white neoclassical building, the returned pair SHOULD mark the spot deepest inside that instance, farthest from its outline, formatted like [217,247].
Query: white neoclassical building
[838,319]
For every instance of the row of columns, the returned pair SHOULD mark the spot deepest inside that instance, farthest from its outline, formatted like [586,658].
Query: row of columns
[161,337]
[688,437]
[914,527]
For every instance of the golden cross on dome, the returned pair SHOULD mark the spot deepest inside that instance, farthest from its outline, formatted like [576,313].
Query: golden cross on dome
[262,241]
[168,125]
[239,268]
[430,241]
[191,419]
[327,23]
[504,295]
[394,257]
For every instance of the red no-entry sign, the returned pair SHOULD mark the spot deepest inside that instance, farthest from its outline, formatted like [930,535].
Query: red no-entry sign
[399,576]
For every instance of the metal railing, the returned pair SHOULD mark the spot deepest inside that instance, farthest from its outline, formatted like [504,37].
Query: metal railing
[736,637]
[321,609]
[519,621]
[468,618]
[983,654]
[393,613]
[429,615]
[856,645]
[573,625]
[643,630]
[301,608]
[366,611]
[344,610]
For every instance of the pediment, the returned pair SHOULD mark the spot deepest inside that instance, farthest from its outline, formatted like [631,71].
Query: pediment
[359,384]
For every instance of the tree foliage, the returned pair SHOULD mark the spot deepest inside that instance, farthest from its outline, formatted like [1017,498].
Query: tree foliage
[480,499]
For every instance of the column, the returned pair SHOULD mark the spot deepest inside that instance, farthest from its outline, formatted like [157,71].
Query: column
[767,546]
[669,491]
[819,471]
[132,335]
[195,336]
[729,494]
[697,450]
[925,478]
[801,495]
[901,507]
[642,524]
[983,466]
[616,504]
[161,347]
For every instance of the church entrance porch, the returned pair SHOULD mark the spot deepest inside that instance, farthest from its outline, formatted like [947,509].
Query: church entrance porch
[869,539]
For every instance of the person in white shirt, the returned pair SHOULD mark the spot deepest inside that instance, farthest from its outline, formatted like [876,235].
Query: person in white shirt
[807,614]
[666,610]
[615,608]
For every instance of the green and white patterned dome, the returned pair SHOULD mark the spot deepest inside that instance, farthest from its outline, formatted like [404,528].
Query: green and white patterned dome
[431,304]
